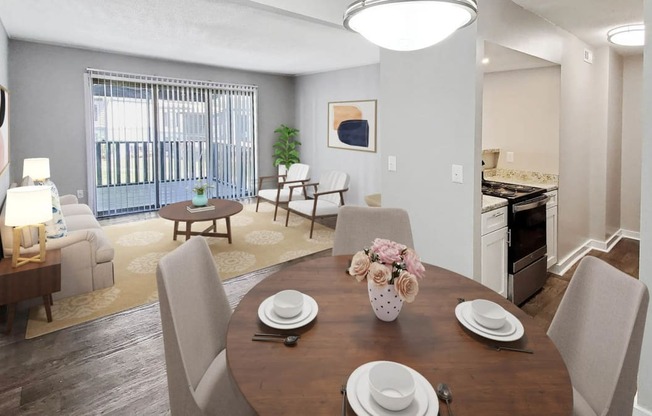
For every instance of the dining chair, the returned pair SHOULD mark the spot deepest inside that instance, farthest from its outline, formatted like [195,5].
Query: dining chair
[357,227]
[195,314]
[326,200]
[598,330]
[296,174]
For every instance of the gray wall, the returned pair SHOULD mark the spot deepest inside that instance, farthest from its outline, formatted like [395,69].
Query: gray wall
[48,103]
[5,177]
[314,92]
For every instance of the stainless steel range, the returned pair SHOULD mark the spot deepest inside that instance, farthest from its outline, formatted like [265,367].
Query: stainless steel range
[526,254]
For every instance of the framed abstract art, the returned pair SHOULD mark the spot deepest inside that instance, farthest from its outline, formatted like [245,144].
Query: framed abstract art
[352,125]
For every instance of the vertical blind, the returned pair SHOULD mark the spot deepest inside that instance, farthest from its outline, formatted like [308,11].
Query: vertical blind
[152,139]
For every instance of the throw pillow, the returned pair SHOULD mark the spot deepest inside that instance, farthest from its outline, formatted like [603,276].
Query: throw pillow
[56,227]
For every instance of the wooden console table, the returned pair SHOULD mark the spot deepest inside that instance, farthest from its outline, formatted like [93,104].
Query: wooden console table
[29,281]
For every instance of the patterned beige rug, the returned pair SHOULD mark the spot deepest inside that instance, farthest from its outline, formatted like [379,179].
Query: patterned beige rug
[258,242]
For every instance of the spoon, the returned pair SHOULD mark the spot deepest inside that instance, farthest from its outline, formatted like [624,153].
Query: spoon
[444,393]
[289,341]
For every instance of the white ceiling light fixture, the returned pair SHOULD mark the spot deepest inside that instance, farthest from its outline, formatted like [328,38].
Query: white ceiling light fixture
[628,35]
[408,25]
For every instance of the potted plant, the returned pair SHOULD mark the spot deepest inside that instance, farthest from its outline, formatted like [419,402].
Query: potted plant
[200,199]
[285,148]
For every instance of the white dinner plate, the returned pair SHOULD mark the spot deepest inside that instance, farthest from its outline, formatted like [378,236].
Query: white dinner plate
[308,302]
[357,388]
[506,330]
[471,325]
[274,317]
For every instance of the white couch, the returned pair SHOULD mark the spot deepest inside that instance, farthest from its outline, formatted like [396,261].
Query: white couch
[86,252]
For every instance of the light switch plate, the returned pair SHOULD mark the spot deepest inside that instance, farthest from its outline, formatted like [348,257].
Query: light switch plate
[510,157]
[458,174]
[391,163]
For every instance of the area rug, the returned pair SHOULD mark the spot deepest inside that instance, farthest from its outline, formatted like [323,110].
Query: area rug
[258,242]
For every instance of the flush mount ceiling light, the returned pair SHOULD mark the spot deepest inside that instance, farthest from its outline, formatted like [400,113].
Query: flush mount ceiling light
[628,35]
[408,25]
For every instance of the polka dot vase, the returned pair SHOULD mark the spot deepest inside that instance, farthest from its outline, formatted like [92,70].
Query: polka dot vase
[384,301]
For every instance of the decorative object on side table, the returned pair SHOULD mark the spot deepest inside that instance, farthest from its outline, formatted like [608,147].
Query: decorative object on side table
[200,199]
[392,271]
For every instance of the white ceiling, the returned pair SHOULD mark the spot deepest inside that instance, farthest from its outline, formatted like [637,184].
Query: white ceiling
[275,36]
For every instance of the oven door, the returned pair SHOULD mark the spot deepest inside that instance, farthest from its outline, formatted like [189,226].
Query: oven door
[527,228]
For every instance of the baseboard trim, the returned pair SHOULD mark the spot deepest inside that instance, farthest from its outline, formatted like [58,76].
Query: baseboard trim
[639,410]
[605,246]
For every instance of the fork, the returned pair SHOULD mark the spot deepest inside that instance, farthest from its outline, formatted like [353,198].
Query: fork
[343,391]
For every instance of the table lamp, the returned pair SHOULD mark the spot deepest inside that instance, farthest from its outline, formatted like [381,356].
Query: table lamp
[37,168]
[28,206]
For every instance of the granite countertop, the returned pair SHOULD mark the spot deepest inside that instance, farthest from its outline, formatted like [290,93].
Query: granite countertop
[549,185]
[489,203]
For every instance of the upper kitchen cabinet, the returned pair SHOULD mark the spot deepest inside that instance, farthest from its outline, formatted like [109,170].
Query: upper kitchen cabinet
[520,114]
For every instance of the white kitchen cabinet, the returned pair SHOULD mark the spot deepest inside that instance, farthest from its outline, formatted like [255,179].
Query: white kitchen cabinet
[494,250]
[551,228]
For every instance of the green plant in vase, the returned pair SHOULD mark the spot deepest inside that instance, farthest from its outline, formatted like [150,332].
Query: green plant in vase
[201,198]
[286,152]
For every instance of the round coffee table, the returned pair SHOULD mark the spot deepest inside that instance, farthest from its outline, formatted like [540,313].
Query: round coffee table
[178,211]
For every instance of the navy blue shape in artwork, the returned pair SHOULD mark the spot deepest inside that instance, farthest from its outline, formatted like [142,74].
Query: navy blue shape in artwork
[354,132]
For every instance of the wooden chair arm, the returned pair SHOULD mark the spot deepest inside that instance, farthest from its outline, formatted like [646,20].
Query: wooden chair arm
[305,185]
[317,194]
[262,178]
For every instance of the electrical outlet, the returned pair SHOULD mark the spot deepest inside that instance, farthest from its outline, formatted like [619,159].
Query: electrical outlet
[80,193]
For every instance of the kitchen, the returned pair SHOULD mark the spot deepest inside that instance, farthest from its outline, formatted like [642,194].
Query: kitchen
[520,141]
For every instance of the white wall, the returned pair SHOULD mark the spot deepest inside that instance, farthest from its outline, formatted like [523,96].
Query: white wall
[313,93]
[520,114]
[644,400]
[632,135]
[49,108]
[430,119]
[614,145]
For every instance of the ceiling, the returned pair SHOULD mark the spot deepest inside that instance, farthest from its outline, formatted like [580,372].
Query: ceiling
[290,37]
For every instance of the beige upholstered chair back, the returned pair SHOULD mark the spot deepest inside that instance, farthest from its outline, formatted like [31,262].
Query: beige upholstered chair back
[331,181]
[297,172]
[357,227]
[194,313]
[598,330]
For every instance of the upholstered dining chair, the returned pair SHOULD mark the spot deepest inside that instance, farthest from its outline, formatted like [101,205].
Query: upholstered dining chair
[357,227]
[598,330]
[298,173]
[326,200]
[195,314]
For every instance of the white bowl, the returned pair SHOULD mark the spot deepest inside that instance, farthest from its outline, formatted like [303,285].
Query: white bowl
[288,303]
[391,385]
[488,314]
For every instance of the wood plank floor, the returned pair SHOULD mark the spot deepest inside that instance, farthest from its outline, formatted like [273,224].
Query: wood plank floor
[115,365]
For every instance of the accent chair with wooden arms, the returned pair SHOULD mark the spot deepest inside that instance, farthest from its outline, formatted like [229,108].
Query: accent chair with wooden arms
[357,227]
[195,314]
[298,173]
[328,196]
[598,330]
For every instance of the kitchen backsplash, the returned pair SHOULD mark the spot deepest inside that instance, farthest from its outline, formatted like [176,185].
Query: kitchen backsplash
[521,175]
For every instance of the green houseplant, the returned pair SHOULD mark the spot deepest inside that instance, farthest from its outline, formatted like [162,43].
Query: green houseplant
[285,148]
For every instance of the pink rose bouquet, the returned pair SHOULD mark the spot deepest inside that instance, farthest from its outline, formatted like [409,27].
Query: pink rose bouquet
[389,263]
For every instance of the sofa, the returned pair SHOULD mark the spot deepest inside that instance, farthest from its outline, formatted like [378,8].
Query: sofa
[86,252]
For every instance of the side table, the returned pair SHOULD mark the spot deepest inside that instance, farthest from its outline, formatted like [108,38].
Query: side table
[29,281]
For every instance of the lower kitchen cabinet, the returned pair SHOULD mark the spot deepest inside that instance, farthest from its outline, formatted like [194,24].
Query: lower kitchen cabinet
[551,228]
[494,251]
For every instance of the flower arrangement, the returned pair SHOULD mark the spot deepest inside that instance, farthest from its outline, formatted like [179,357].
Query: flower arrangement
[200,188]
[389,263]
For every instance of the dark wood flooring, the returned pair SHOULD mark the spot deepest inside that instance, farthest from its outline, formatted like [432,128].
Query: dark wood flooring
[115,365]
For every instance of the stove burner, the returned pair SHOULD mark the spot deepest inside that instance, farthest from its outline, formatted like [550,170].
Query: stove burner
[512,192]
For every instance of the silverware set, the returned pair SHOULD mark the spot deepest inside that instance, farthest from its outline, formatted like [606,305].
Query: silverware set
[289,340]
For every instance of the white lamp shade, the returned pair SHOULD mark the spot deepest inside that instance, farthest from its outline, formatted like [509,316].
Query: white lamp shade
[28,205]
[628,35]
[407,25]
[36,168]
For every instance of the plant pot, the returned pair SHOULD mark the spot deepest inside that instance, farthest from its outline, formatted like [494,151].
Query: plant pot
[200,200]
[384,301]
[282,170]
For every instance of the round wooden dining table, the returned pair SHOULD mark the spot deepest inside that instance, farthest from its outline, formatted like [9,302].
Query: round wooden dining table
[306,379]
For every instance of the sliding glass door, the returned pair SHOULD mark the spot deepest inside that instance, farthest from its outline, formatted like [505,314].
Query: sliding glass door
[153,139]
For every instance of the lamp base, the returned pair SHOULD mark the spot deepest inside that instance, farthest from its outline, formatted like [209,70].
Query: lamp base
[16,259]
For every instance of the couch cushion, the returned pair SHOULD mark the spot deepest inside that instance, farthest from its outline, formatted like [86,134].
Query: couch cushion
[82,222]
[324,208]
[105,251]
[284,196]
[75,209]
